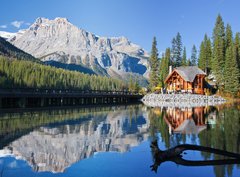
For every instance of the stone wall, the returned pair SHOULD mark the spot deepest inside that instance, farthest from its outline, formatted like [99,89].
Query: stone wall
[181,100]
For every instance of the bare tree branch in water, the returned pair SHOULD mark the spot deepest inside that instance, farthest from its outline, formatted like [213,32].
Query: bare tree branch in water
[175,155]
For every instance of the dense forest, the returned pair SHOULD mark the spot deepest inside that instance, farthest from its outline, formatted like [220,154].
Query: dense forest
[219,57]
[20,69]
[22,73]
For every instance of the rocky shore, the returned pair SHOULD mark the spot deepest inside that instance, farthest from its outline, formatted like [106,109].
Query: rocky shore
[181,100]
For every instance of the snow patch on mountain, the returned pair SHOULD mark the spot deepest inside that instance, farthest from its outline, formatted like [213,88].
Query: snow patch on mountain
[61,41]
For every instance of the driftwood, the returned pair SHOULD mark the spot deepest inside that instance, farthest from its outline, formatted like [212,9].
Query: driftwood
[175,155]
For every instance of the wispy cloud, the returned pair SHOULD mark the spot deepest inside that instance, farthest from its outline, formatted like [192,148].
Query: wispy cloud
[27,23]
[17,24]
[3,26]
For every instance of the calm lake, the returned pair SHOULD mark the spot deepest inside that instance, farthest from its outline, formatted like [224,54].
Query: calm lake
[117,141]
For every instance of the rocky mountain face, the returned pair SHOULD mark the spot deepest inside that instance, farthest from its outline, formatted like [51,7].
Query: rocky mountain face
[60,41]
[9,50]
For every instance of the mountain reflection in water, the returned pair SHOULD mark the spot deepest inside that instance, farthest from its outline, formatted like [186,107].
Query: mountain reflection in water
[53,140]
[56,146]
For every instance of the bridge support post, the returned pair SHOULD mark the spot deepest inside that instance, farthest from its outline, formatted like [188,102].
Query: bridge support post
[22,102]
[42,102]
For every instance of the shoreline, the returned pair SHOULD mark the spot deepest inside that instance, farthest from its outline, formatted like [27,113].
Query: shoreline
[181,100]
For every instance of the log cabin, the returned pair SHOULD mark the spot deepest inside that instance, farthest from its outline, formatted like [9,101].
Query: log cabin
[186,79]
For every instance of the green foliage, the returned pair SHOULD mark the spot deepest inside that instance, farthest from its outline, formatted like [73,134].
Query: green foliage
[219,50]
[184,58]
[164,65]
[231,74]
[154,64]
[205,54]
[194,56]
[228,37]
[237,49]
[134,85]
[177,50]
[20,73]
[222,135]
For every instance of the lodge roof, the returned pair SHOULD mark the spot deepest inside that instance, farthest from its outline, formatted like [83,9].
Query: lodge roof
[188,73]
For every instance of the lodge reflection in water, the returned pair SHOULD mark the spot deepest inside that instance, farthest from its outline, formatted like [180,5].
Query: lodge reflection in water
[185,120]
[54,140]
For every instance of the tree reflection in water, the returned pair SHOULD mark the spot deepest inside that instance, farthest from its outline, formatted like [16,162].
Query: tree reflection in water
[216,127]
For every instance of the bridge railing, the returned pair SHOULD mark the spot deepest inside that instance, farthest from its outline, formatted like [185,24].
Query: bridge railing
[63,91]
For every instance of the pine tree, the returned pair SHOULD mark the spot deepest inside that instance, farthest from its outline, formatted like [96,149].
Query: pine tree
[237,49]
[202,56]
[177,50]
[184,58]
[228,37]
[218,51]
[173,51]
[208,53]
[205,54]
[194,56]
[231,74]
[167,63]
[154,64]
[161,70]
[164,67]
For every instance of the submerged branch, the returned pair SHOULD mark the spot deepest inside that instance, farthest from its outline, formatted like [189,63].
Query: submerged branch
[174,155]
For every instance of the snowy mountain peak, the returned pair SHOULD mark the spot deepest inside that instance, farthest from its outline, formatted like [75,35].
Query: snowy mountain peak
[61,41]
[6,35]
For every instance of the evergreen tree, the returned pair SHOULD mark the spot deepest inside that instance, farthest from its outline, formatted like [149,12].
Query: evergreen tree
[173,51]
[188,62]
[154,64]
[218,51]
[202,56]
[177,50]
[231,72]
[194,56]
[208,54]
[229,37]
[21,73]
[164,67]
[237,49]
[131,84]
[184,58]
[205,54]
[161,69]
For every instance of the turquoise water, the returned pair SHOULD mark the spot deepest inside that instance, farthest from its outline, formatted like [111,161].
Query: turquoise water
[116,141]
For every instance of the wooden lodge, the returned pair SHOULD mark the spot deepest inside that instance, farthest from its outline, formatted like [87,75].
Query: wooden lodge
[186,79]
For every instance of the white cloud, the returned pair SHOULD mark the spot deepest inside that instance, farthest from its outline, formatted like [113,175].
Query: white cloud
[3,26]
[27,23]
[17,24]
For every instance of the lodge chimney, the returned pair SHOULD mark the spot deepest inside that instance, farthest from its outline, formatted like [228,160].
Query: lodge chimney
[170,69]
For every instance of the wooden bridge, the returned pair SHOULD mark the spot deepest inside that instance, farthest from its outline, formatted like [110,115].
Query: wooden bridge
[32,97]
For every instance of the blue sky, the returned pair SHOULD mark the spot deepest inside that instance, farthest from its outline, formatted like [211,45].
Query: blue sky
[138,20]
